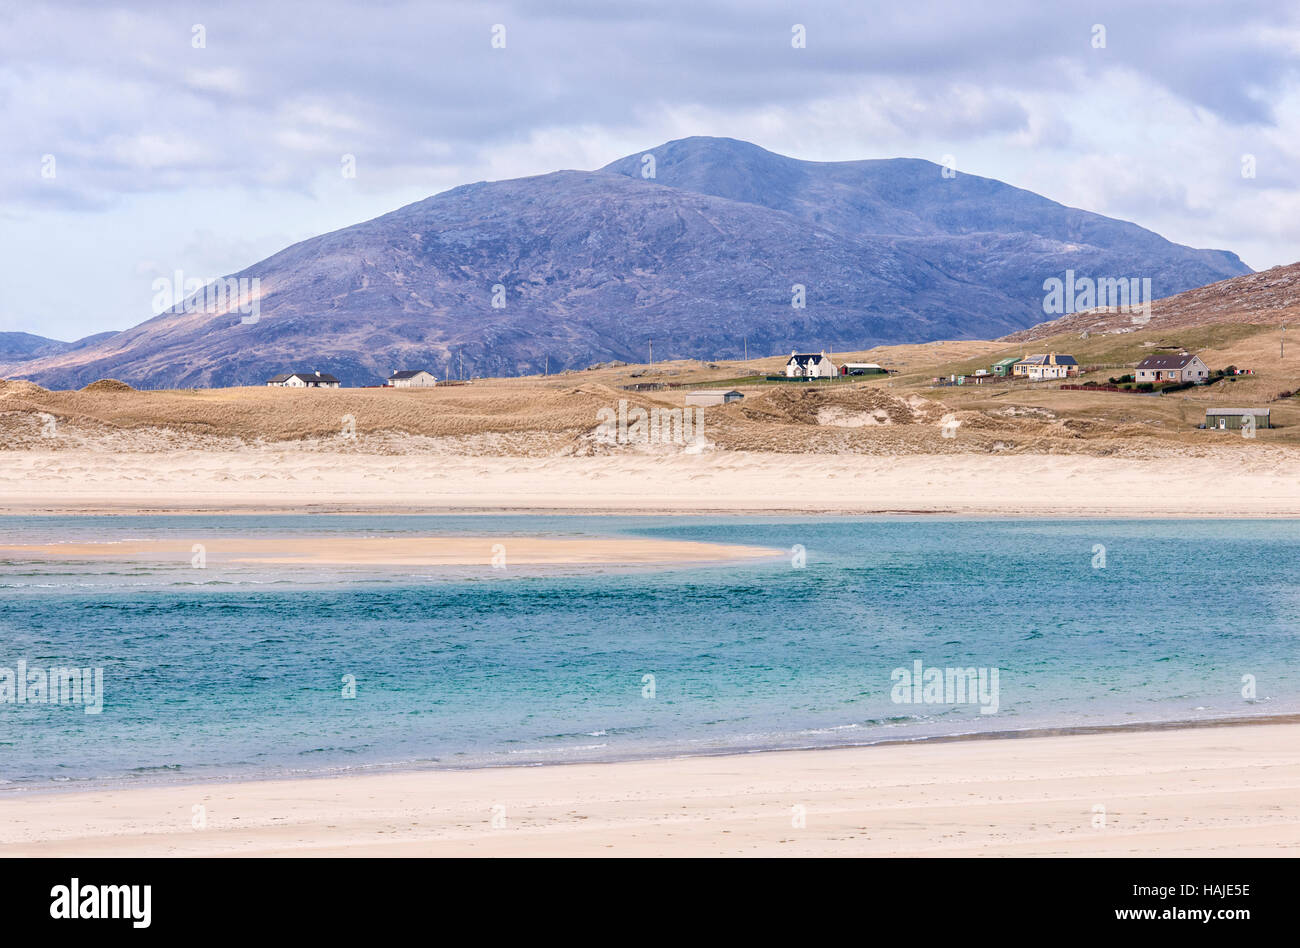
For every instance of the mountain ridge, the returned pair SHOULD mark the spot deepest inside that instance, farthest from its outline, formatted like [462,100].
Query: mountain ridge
[704,258]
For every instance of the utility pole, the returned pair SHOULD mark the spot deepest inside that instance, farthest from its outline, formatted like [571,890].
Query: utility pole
[460,373]
[746,353]
[1283,355]
[652,354]
[548,365]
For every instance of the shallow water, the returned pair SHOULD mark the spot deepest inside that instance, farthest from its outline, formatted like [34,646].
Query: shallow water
[239,671]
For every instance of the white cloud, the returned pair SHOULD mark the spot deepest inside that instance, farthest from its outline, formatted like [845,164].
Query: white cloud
[163,142]
[222,79]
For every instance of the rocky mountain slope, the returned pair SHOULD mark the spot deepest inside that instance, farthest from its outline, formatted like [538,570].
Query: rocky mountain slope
[1268,298]
[571,268]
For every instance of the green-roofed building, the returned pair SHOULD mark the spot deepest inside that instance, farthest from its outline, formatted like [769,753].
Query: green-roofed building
[1003,368]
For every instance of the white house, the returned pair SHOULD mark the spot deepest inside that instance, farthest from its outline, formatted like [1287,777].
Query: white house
[413,378]
[712,397]
[304,380]
[1183,367]
[809,365]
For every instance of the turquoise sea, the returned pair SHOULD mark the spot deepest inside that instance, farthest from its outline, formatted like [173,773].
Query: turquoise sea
[240,671]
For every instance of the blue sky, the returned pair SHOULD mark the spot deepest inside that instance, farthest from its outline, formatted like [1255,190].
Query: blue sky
[173,154]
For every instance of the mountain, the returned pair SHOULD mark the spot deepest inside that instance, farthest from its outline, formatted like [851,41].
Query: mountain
[701,258]
[979,230]
[16,346]
[23,346]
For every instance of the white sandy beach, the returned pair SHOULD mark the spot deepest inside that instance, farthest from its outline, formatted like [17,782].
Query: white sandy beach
[1229,790]
[277,480]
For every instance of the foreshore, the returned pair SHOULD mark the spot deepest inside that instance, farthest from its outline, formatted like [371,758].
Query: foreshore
[1207,791]
[405,551]
[274,481]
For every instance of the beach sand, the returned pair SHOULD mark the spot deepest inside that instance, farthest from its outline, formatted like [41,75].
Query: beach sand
[400,551]
[270,479]
[1211,791]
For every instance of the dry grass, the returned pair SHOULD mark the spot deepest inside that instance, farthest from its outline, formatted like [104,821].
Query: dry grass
[553,416]
[274,414]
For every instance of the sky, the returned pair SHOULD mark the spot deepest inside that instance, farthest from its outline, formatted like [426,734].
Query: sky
[141,140]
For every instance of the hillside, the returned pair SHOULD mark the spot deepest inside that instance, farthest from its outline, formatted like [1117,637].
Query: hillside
[1270,297]
[556,416]
[19,346]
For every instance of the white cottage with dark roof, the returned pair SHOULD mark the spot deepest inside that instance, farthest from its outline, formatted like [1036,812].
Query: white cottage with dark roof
[411,378]
[809,365]
[303,380]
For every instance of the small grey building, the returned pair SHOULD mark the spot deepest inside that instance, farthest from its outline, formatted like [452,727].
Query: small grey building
[1233,419]
[712,397]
